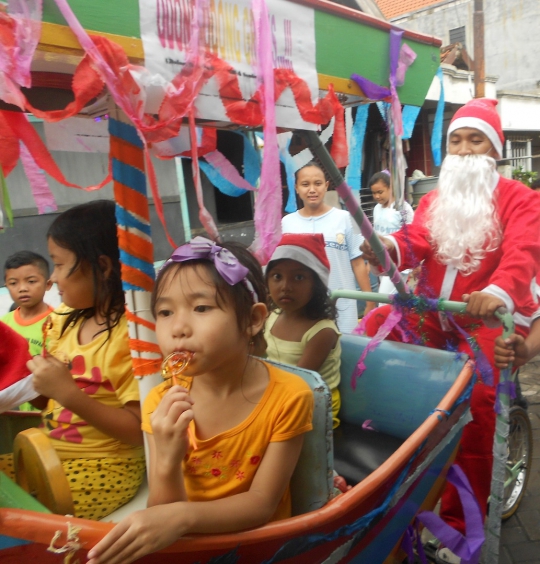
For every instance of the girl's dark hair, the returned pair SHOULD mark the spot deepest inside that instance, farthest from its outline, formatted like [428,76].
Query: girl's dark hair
[321,305]
[310,164]
[89,231]
[379,177]
[238,295]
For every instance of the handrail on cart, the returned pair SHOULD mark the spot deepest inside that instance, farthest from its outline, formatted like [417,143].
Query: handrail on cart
[500,446]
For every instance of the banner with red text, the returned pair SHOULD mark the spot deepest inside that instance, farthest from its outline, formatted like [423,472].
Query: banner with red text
[226,29]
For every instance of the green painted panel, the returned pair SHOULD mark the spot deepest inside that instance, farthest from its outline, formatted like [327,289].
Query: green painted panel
[120,17]
[345,47]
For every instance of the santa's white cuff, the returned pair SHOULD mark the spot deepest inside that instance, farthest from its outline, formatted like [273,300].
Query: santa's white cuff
[17,393]
[499,293]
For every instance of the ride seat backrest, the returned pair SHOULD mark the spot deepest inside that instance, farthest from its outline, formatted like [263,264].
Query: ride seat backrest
[400,387]
[312,481]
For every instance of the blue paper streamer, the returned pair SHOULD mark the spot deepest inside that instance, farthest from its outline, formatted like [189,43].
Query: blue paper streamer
[436,135]
[252,160]
[384,108]
[353,175]
[410,114]
[290,168]
[221,183]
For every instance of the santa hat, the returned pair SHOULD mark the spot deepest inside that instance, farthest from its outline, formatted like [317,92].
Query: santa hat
[15,379]
[480,114]
[305,248]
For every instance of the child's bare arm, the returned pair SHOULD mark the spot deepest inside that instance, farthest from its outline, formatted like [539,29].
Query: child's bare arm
[361,273]
[150,530]
[317,349]
[53,380]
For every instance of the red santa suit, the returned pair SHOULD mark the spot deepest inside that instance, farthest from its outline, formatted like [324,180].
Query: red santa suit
[506,273]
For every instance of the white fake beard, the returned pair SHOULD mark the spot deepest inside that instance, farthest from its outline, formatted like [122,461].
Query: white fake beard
[463,222]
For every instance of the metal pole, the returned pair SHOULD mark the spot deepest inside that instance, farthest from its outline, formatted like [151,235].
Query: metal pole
[319,150]
[479,59]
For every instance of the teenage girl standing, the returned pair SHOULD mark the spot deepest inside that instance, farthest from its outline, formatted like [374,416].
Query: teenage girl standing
[386,219]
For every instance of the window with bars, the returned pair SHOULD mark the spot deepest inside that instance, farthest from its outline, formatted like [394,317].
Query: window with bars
[457,35]
[518,149]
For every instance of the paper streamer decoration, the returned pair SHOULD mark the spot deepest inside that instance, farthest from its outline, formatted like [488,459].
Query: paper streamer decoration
[41,192]
[135,244]
[4,201]
[284,140]
[20,32]
[204,215]
[15,127]
[228,171]
[436,134]
[222,184]
[409,116]
[354,170]
[267,217]
[252,160]
[469,546]
[401,58]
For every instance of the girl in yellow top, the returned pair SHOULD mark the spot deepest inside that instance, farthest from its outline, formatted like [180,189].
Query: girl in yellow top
[301,330]
[88,393]
[246,420]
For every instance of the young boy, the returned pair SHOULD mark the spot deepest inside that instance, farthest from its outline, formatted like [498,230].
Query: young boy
[26,275]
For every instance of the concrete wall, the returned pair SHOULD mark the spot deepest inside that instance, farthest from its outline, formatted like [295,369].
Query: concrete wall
[512,38]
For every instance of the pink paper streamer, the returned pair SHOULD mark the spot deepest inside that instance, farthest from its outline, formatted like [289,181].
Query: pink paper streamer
[41,192]
[406,58]
[27,14]
[390,322]
[366,425]
[206,219]
[228,170]
[132,101]
[15,61]
[267,217]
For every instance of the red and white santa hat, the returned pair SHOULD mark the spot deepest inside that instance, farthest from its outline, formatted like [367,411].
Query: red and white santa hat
[480,114]
[305,248]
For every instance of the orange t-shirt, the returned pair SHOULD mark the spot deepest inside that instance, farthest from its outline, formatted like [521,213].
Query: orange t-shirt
[226,464]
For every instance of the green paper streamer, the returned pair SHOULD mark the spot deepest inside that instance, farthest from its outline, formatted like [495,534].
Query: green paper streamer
[5,198]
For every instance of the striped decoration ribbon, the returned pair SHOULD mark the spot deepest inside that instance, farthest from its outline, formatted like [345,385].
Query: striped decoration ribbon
[127,154]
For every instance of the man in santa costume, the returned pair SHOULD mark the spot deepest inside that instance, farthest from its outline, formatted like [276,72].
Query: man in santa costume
[477,236]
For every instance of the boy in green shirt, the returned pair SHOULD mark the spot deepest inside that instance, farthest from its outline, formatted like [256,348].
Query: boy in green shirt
[26,275]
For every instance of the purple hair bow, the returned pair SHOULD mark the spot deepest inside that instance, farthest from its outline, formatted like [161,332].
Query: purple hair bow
[227,265]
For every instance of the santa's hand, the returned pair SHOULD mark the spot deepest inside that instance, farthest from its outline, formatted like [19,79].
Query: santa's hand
[369,253]
[482,304]
[512,350]
[52,379]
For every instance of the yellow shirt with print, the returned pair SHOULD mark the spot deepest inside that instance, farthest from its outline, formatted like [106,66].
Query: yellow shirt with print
[226,464]
[103,370]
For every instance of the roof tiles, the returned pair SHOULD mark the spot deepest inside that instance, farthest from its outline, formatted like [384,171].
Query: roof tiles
[393,8]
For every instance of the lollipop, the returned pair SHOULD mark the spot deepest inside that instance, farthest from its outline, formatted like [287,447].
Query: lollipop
[174,364]
[171,367]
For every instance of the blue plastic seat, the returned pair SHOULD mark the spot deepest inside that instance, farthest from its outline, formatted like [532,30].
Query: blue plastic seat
[312,484]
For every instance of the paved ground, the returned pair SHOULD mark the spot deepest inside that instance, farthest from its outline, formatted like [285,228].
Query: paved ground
[520,535]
